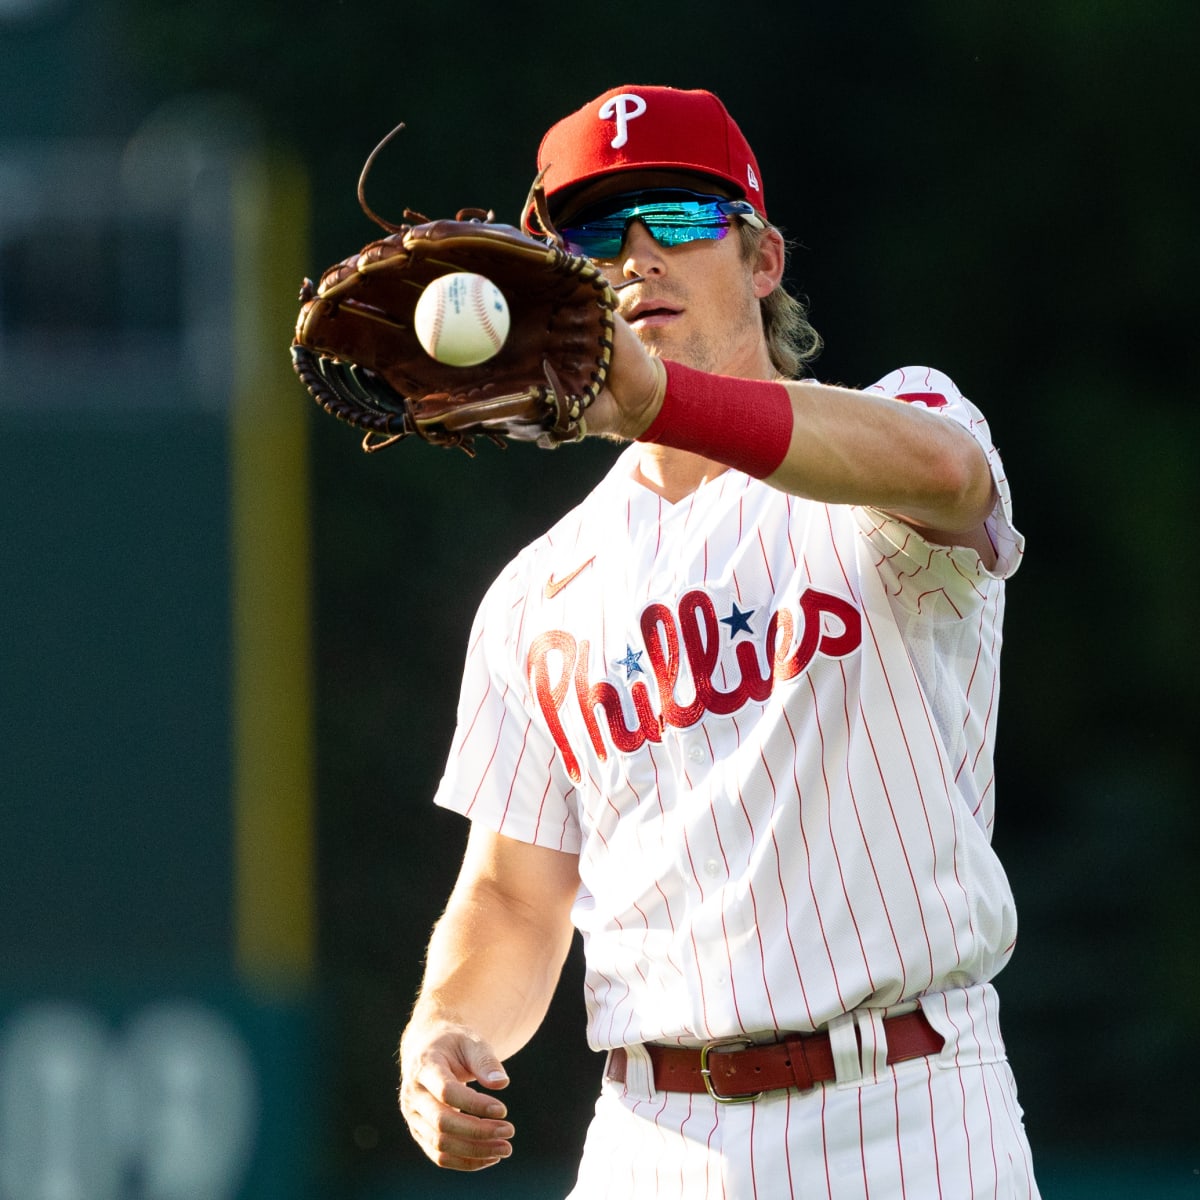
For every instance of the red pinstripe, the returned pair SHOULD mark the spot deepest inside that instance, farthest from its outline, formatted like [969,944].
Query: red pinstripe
[937,1158]
[825,1144]
[941,767]
[887,795]
[787,1145]
[866,842]
[862,1150]
[992,694]
[783,891]
[933,736]
[541,808]
[682,1126]
[1014,1123]
[753,1170]
[712,1133]
[970,710]
[899,1141]
[787,926]
[491,758]
[762,958]
[988,1103]
[812,891]
[513,783]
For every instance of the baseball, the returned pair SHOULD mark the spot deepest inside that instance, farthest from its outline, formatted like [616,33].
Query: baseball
[461,319]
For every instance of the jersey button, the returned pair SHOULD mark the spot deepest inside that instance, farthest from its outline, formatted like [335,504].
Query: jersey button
[712,868]
[695,753]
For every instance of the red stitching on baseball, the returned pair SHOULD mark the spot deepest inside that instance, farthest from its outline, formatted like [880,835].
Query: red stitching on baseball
[484,313]
[439,312]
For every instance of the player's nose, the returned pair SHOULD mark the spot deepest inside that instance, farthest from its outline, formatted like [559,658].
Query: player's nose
[641,255]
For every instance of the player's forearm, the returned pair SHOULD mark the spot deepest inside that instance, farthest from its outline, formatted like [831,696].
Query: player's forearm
[849,447]
[491,968]
[826,443]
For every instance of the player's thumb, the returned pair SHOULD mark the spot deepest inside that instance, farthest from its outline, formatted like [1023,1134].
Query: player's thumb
[486,1067]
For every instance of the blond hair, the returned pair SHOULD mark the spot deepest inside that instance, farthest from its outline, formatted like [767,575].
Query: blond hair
[791,340]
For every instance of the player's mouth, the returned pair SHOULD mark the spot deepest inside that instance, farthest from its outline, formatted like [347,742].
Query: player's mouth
[651,314]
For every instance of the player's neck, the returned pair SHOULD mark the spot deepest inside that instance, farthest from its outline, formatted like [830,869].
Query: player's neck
[674,474]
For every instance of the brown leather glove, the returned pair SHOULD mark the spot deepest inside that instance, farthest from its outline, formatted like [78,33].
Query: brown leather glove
[357,352]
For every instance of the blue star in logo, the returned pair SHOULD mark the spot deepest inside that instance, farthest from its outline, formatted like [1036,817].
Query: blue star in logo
[631,662]
[738,622]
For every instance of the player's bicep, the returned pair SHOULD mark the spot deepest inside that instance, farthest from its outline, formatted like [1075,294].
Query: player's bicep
[535,884]
[978,536]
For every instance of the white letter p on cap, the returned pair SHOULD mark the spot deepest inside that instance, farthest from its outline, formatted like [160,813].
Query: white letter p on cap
[624,108]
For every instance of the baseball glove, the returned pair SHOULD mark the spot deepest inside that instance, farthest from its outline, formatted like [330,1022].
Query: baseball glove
[356,350]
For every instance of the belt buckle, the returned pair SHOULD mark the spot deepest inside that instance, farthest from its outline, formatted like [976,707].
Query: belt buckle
[706,1071]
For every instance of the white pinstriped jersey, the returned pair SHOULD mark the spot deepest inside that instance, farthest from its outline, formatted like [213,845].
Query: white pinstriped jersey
[765,725]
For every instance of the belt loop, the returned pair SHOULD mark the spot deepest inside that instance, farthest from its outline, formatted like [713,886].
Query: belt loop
[873,1037]
[843,1041]
[639,1073]
[802,1071]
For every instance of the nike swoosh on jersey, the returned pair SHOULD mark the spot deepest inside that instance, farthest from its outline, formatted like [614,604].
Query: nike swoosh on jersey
[554,586]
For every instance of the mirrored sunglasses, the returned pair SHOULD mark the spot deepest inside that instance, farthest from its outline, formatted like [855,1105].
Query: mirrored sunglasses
[673,216]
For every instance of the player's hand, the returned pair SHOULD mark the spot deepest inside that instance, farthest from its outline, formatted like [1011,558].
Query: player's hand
[457,1126]
[634,390]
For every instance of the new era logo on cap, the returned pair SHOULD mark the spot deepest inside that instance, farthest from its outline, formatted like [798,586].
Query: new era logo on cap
[635,128]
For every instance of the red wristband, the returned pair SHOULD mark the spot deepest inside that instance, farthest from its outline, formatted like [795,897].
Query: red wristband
[743,423]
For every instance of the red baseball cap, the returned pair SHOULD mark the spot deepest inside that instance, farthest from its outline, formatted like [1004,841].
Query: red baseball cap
[636,128]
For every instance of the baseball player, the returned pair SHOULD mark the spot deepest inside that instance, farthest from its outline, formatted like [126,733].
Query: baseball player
[732,718]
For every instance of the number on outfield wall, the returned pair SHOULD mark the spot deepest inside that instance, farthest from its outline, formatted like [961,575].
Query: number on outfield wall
[165,1109]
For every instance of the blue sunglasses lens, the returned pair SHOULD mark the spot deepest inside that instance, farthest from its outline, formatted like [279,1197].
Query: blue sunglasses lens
[671,218]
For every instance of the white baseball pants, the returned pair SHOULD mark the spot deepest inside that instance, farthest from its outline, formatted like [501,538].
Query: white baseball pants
[946,1127]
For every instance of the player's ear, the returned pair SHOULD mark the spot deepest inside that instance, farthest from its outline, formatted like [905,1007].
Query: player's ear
[768,267]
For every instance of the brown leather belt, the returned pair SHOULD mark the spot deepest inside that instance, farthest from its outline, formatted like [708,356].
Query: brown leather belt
[736,1070]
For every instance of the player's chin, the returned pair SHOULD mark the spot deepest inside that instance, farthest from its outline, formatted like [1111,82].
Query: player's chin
[661,341]
[688,349]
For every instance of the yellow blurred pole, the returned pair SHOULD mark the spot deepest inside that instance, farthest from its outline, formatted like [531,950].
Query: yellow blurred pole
[274,838]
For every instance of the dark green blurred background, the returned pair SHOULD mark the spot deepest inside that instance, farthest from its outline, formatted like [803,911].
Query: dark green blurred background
[1007,192]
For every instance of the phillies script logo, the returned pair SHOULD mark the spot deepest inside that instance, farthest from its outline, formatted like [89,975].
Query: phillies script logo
[558,668]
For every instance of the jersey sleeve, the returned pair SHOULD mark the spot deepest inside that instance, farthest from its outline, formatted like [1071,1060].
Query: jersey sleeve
[955,575]
[503,769]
